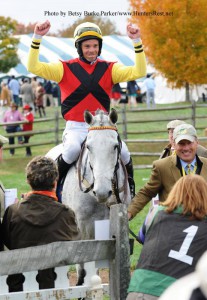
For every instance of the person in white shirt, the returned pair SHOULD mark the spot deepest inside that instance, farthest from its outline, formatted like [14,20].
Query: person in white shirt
[150,87]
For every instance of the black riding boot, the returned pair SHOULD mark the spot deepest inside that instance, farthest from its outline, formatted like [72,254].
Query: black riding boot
[63,168]
[130,172]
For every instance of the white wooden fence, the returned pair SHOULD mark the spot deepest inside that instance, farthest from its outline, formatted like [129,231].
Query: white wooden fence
[62,254]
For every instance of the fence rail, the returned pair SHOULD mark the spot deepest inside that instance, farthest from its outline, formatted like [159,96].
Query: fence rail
[61,254]
[193,116]
[124,123]
[55,129]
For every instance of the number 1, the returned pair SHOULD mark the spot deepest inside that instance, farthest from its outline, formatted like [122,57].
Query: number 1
[182,253]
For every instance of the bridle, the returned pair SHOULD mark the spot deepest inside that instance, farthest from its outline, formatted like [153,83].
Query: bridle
[115,189]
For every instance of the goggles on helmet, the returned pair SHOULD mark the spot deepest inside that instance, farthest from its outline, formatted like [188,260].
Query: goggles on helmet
[88,31]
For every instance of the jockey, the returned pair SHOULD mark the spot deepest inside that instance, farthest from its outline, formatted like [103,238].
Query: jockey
[85,83]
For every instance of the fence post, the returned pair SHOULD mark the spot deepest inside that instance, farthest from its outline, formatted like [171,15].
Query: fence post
[193,113]
[124,121]
[120,266]
[56,127]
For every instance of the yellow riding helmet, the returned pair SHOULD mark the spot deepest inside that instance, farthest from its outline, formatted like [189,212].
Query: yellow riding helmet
[87,31]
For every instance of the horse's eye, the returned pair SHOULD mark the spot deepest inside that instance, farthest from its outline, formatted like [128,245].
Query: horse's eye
[115,147]
[88,147]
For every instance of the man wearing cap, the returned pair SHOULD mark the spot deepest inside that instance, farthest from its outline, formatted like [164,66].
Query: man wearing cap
[85,83]
[169,149]
[3,140]
[167,171]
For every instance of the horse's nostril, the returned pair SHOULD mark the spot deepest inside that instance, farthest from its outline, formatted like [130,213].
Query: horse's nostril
[94,193]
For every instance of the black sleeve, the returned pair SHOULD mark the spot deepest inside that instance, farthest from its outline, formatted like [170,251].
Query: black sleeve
[4,228]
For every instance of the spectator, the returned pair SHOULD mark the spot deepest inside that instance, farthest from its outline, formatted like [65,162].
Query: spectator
[48,93]
[13,115]
[169,149]
[168,170]
[39,219]
[14,87]
[115,95]
[150,87]
[5,95]
[34,84]
[29,117]
[56,94]
[40,91]
[204,97]
[174,238]
[26,92]
[132,88]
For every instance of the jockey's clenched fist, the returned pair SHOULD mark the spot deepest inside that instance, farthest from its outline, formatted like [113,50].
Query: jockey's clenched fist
[42,28]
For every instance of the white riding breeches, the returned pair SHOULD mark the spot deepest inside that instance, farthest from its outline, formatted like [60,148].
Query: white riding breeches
[73,137]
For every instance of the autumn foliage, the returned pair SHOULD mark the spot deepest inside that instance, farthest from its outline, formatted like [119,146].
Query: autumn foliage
[8,45]
[175,42]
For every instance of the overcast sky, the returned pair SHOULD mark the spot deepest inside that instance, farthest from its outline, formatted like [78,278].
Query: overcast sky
[62,13]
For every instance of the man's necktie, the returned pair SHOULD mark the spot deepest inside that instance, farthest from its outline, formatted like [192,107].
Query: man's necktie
[188,169]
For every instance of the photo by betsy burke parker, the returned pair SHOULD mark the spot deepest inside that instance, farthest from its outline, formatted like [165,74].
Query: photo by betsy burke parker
[85,13]
[102,13]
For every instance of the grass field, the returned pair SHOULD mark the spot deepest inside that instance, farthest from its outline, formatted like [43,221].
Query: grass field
[12,169]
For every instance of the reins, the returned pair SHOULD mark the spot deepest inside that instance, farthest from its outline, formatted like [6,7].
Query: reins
[80,179]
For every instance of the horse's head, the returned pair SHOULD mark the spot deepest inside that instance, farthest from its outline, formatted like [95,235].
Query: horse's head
[103,145]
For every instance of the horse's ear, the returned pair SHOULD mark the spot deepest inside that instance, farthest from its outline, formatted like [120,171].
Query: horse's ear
[113,116]
[88,117]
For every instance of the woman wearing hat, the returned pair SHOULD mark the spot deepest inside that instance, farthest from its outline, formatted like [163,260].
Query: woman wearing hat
[13,116]
[29,117]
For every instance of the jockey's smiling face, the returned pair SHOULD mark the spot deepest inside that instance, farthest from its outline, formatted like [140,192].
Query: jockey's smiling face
[90,49]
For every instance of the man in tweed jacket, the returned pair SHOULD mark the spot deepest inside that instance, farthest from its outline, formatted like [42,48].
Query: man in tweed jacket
[167,171]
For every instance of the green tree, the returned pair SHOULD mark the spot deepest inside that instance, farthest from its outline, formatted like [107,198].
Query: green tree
[8,44]
[175,41]
[107,27]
